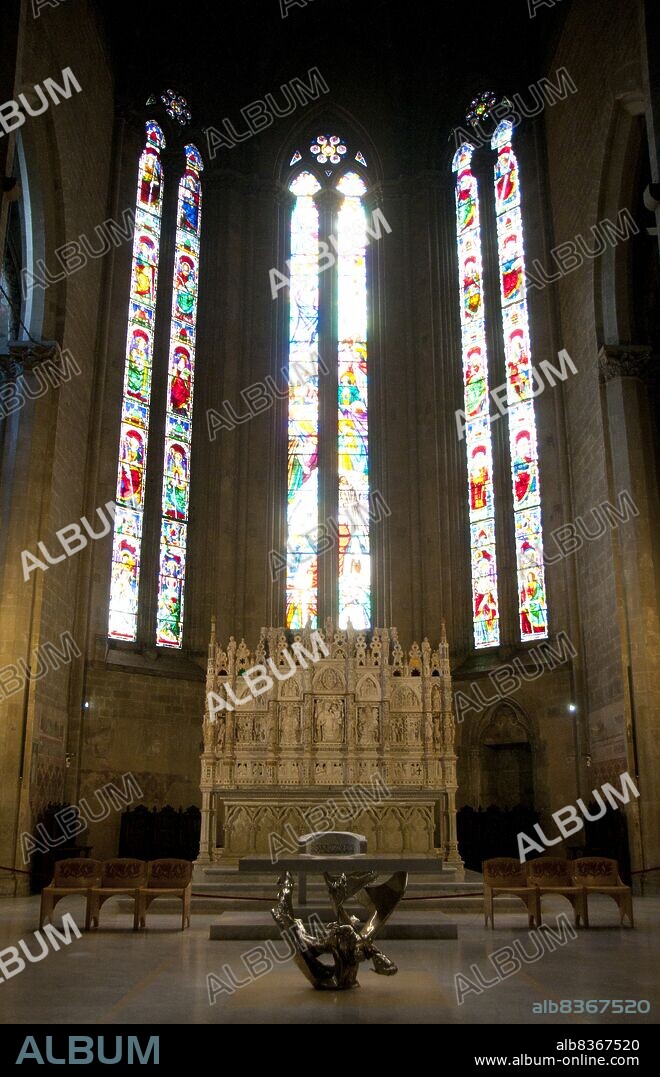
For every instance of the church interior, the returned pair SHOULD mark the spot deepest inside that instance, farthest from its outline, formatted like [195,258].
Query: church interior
[329,480]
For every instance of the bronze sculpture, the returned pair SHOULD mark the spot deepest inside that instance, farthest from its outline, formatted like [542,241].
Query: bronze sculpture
[347,940]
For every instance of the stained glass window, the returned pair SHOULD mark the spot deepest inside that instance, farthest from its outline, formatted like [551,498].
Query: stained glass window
[176,107]
[520,405]
[178,418]
[354,574]
[478,441]
[328,149]
[136,396]
[481,107]
[346,324]
[303,421]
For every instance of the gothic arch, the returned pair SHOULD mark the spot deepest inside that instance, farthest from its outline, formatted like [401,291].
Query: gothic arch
[613,283]
[325,319]
[321,117]
[42,211]
[512,716]
[502,757]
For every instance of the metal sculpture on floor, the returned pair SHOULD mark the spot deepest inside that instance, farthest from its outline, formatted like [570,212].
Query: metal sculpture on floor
[347,940]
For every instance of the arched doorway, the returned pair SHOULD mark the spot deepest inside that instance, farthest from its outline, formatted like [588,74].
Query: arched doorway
[506,765]
[502,760]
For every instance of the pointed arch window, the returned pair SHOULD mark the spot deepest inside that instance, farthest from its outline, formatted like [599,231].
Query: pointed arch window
[328,491]
[178,416]
[478,439]
[303,418]
[354,575]
[136,398]
[526,485]
[139,371]
[512,305]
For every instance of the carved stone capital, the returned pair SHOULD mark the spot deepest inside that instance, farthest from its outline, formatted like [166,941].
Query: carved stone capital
[278,193]
[625,361]
[24,355]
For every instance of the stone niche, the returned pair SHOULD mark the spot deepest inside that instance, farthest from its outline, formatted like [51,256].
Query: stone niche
[364,735]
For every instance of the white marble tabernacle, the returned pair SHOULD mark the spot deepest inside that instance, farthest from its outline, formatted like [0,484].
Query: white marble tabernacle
[320,733]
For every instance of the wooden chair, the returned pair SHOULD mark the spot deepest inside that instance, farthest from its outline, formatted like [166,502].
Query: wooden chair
[552,875]
[600,875]
[74,876]
[506,875]
[121,877]
[167,878]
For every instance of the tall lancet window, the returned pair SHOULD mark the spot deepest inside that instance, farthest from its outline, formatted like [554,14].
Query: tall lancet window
[174,361]
[516,371]
[178,417]
[526,485]
[303,484]
[328,461]
[353,426]
[136,399]
[478,440]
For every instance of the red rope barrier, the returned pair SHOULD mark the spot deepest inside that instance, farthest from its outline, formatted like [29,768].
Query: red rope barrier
[440,897]
[431,897]
[233,897]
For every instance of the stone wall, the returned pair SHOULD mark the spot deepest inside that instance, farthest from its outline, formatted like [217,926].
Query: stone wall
[598,135]
[145,708]
[45,466]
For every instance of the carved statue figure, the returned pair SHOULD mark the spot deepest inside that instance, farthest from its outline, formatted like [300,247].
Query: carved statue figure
[220,742]
[398,728]
[368,725]
[289,724]
[329,721]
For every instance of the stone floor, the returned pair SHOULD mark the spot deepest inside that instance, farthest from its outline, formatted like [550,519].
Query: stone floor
[160,975]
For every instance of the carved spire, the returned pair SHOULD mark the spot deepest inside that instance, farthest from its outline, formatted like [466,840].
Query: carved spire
[212,647]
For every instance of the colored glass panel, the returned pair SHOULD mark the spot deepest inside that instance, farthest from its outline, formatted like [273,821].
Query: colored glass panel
[303,414]
[136,397]
[478,440]
[522,424]
[328,149]
[178,417]
[176,107]
[354,577]
[480,108]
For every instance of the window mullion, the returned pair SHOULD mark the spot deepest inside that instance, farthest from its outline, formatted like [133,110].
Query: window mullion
[328,202]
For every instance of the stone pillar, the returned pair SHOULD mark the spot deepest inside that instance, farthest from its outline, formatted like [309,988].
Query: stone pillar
[451,853]
[204,855]
[379,261]
[651,68]
[626,372]
[277,458]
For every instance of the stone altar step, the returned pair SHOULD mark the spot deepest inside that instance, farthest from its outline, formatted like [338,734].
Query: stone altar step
[406,924]
[225,879]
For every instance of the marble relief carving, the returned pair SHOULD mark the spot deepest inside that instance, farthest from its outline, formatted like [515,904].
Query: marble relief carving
[368,708]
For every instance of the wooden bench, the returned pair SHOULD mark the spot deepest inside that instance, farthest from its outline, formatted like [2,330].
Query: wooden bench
[600,875]
[121,877]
